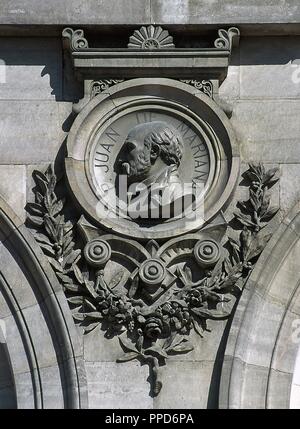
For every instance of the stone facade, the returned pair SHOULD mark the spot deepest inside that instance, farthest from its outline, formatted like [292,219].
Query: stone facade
[250,360]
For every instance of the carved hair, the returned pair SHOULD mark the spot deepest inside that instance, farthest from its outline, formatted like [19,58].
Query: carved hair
[167,140]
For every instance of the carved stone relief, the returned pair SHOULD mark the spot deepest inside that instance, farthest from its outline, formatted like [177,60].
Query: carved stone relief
[151,164]
[176,144]
[152,295]
[151,37]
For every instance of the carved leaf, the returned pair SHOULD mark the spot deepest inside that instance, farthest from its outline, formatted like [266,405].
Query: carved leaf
[209,314]
[198,328]
[36,220]
[133,287]
[50,227]
[75,299]
[188,273]
[71,259]
[235,249]
[68,226]
[78,316]
[78,274]
[128,356]
[271,176]
[68,237]
[257,169]
[156,350]
[67,250]
[56,265]
[41,181]
[35,209]
[246,238]
[64,277]
[184,347]
[245,220]
[139,343]
[89,286]
[52,183]
[94,315]
[255,200]
[257,246]
[270,213]
[169,340]
[72,287]
[116,279]
[89,304]
[57,208]
[48,201]
[41,238]
[128,345]
[265,202]
[231,279]
[39,197]
[48,250]
[49,172]
[90,327]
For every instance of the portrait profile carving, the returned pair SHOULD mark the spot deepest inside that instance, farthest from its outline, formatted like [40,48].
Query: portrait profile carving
[147,166]
[149,163]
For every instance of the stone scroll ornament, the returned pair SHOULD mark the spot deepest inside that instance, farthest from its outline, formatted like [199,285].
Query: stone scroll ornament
[166,291]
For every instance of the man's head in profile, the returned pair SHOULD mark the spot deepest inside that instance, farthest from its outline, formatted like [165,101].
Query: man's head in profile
[152,152]
[150,158]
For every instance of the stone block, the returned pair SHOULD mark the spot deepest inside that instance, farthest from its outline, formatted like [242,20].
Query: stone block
[225,12]
[230,88]
[268,67]
[31,131]
[287,344]
[289,186]
[52,389]
[295,397]
[117,386]
[279,390]
[185,385]
[76,12]
[28,395]
[15,346]
[15,274]
[13,187]
[106,350]
[255,346]
[38,323]
[288,275]
[253,394]
[33,68]
[268,131]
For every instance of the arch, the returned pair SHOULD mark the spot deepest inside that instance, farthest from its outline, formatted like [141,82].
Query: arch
[263,343]
[42,348]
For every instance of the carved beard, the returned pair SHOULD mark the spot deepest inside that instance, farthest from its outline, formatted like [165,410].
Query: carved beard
[138,169]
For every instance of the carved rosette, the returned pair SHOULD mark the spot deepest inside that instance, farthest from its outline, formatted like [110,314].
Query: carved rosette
[151,37]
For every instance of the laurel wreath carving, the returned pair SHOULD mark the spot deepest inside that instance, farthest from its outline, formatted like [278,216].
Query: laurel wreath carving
[150,334]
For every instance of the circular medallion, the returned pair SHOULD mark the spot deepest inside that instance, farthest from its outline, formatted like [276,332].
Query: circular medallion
[150,159]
